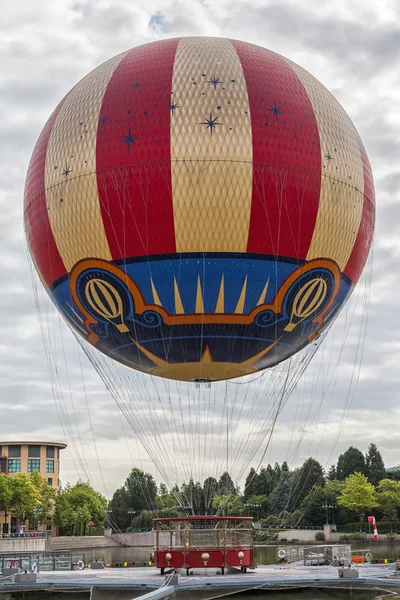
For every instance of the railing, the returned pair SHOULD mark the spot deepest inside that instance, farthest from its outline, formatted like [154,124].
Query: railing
[42,562]
[25,534]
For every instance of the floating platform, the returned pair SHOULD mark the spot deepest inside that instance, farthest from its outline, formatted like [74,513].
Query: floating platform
[148,580]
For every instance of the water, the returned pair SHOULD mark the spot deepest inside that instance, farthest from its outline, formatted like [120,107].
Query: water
[265,555]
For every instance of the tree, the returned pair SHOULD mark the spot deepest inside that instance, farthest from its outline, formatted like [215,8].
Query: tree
[389,498]
[251,485]
[47,496]
[332,490]
[192,495]
[332,473]
[118,515]
[210,487]
[351,461]
[311,509]
[374,465]
[358,495]
[141,489]
[256,506]
[25,496]
[228,505]
[226,485]
[5,495]
[77,505]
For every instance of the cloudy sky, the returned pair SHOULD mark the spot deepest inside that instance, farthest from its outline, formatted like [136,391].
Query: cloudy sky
[353,49]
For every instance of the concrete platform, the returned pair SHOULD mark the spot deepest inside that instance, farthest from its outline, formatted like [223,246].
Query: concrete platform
[145,580]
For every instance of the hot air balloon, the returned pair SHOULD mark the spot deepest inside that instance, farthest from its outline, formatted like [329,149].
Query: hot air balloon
[199,208]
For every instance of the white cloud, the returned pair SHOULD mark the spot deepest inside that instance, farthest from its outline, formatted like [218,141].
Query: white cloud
[352,48]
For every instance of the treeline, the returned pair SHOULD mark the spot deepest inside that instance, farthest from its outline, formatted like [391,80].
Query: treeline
[355,487]
[29,498]
[276,495]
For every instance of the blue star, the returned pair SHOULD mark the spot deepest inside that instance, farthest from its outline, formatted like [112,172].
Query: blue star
[173,106]
[129,139]
[136,85]
[66,171]
[210,123]
[214,82]
[276,110]
[328,157]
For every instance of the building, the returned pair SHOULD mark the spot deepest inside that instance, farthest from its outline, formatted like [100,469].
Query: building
[27,457]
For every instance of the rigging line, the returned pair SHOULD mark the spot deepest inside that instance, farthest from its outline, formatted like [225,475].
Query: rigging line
[53,381]
[133,423]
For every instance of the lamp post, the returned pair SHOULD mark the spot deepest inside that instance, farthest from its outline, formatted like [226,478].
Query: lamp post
[256,505]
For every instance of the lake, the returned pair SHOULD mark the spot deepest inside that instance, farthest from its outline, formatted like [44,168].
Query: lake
[265,555]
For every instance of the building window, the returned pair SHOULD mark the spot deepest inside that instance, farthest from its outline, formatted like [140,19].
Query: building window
[50,480]
[49,451]
[33,465]
[14,451]
[49,466]
[14,466]
[34,451]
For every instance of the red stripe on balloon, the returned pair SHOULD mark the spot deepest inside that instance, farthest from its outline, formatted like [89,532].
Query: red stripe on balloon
[286,155]
[37,225]
[133,153]
[361,248]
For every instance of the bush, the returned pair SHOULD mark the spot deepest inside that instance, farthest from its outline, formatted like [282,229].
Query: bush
[355,536]
[344,538]
[320,536]
[283,540]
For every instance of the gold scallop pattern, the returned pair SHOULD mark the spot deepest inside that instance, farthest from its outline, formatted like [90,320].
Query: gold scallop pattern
[70,177]
[211,148]
[342,183]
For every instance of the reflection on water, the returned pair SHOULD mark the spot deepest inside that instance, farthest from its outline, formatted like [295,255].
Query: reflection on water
[190,594]
[265,555]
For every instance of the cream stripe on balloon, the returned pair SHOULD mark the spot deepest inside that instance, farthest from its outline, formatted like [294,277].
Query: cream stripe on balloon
[211,148]
[342,183]
[72,202]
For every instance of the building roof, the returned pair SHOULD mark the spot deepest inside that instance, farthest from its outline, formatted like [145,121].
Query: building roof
[60,445]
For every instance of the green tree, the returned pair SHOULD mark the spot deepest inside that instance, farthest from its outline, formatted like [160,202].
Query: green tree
[228,505]
[118,516]
[311,509]
[192,495]
[332,473]
[145,519]
[25,496]
[141,489]
[77,505]
[351,461]
[374,465]
[389,498]
[210,488]
[5,495]
[252,484]
[332,490]
[226,485]
[43,510]
[358,495]
[256,506]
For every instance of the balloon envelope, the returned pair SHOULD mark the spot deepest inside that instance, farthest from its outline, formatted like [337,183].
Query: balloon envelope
[199,208]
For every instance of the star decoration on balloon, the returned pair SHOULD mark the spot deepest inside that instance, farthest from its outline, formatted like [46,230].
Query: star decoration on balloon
[66,171]
[276,110]
[215,81]
[173,106]
[129,139]
[328,157]
[210,123]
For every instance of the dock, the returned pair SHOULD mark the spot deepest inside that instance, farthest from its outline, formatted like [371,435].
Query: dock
[148,583]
